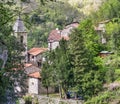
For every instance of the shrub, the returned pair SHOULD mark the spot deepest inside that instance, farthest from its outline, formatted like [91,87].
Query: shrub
[28,99]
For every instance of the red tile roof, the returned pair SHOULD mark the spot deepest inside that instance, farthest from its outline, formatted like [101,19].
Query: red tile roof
[74,25]
[36,51]
[27,65]
[35,75]
[32,71]
[54,36]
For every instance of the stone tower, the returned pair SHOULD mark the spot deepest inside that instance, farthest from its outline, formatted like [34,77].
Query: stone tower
[21,34]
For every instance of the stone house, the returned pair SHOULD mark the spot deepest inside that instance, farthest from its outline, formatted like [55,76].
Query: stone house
[34,78]
[100,28]
[35,56]
[53,39]
[56,35]
[67,30]
[34,83]
[33,61]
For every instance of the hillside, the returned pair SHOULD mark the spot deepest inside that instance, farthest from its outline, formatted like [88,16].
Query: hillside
[86,6]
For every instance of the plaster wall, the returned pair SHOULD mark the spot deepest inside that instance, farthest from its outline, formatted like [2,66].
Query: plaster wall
[33,86]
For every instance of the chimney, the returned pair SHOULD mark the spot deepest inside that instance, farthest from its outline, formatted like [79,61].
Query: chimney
[58,31]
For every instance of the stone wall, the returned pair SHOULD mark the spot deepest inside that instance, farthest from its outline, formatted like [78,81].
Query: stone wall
[48,100]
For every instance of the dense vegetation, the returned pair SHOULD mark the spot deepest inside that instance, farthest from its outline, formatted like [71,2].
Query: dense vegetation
[90,72]
[9,43]
[110,11]
[50,16]
[75,65]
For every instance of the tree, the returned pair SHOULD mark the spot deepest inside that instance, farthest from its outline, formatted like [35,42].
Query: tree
[59,69]
[14,48]
[8,75]
[107,11]
[48,17]
[63,67]
[46,73]
[87,64]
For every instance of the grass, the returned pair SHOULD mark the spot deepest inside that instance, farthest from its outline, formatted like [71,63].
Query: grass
[117,73]
[53,95]
[106,97]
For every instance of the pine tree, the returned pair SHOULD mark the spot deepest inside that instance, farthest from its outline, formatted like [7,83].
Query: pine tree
[59,68]
[47,73]
[87,64]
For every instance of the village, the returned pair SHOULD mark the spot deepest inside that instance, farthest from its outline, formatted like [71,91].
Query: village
[59,52]
[34,58]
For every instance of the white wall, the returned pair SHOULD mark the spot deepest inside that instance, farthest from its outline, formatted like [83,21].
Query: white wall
[33,86]
[66,31]
[53,45]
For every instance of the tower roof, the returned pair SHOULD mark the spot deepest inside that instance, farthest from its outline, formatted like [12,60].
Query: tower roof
[19,25]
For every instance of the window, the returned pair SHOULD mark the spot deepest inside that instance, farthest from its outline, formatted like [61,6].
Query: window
[21,39]
[39,64]
[32,57]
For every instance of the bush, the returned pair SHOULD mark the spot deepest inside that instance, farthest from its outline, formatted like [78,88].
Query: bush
[35,101]
[28,99]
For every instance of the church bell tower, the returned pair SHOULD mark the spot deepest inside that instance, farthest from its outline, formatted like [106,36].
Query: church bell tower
[21,34]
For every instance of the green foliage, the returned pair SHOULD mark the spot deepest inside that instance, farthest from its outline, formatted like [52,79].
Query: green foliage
[117,74]
[109,10]
[8,42]
[101,99]
[17,102]
[50,16]
[46,72]
[88,67]
[57,68]
[110,65]
[35,101]
[27,98]
[106,97]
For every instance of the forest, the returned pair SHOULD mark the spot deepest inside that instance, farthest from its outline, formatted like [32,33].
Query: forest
[76,64]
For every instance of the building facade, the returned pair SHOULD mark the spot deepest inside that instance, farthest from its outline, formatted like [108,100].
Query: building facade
[56,35]
[19,31]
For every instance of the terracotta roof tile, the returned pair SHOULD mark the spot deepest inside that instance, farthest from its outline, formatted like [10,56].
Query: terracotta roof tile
[35,75]
[54,35]
[36,51]
[27,65]
[74,25]
[32,69]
